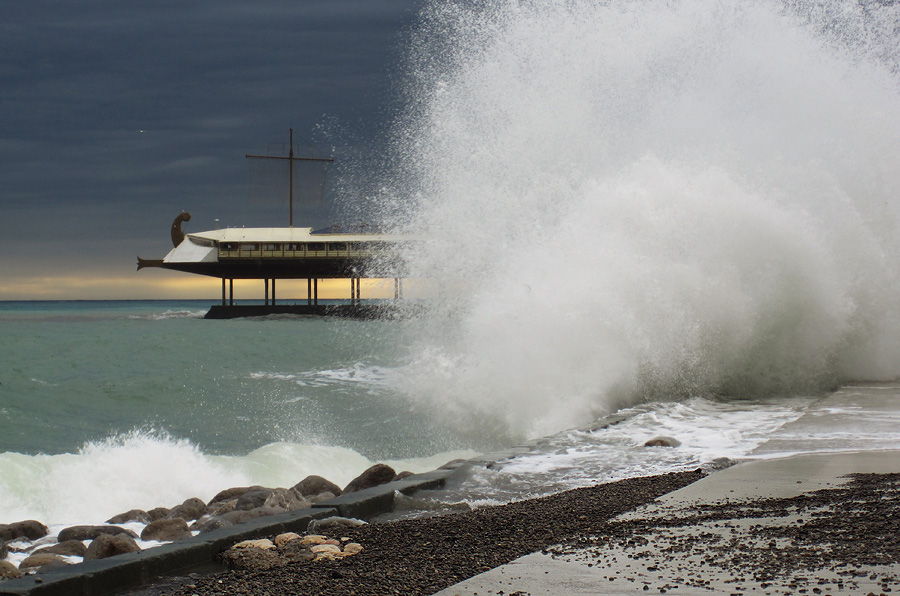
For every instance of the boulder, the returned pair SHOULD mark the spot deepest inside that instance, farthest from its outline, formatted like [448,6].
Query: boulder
[263,543]
[403,474]
[158,513]
[662,442]
[375,476]
[166,530]
[92,532]
[332,523]
[135,515]
[232,493]
[286,499]
[108,545]
[316,485]
[30,529]
[8,570]
[222,507]
[69,548]
[239,517]
[208,523]
[283,539]
[190,510]
[321,497]
[253,499]
[3,550]
[40,560]
[255,559]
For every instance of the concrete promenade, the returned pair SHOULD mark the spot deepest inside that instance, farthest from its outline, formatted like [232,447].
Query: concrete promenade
[724,543]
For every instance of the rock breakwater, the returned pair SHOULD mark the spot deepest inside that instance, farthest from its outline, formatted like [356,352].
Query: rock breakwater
[29,546]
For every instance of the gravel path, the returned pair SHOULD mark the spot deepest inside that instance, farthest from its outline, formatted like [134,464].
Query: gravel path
[423,556]
[837,540]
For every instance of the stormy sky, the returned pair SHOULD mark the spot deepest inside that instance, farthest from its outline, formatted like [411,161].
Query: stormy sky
[117,115]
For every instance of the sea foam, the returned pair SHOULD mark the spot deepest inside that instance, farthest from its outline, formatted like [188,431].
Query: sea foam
[145,469]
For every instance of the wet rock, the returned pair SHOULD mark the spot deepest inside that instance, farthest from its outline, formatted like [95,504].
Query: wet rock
[158,513]
[238,517]
[40,560]
[253,499]
[232,493]
[286,499]
[135,515]
[166,530]
[322,497]
[319,525]
[92,532]
[208,523]
[69,548]
[190,510]
[662,442]
[375,476]
[3,550]
[8,570]
[108,545]
[222,507]
[316,485]
[30,529]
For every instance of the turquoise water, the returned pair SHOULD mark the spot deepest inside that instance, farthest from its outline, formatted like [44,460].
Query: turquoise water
[75,372]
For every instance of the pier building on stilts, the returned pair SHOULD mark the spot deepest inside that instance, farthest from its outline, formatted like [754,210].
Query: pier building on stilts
[272,254]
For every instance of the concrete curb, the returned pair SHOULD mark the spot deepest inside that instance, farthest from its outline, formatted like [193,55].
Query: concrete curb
[122,572]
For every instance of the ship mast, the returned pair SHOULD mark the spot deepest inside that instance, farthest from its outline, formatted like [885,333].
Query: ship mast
[291,159]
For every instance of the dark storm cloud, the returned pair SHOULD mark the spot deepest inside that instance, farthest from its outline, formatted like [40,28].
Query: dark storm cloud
[127,112]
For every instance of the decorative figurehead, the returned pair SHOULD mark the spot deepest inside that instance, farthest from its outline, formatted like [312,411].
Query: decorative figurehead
[177,234]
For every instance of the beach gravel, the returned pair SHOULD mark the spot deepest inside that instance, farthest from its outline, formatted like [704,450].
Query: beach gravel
[425,555]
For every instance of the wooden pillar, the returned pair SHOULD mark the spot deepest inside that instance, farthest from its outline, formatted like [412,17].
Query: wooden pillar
[352,291]
[358,283]
[396,288]
[266,283]
[316,291]
[231,291]
[308,292]
[223,291]
[273,291]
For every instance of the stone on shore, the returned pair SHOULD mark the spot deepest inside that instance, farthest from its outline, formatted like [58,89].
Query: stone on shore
[4,550]
[30,529]
[192,509]
[232,493]
[69,548]
[8,570]
[253,499]
[135,515]
[92,532]
[375,476]
[208,523]
[157,513]
[286,499]
[239,517]
[662,442]
[108,545]
[263,543]
[283,539]
[41,560]
[166,530]
[312,486]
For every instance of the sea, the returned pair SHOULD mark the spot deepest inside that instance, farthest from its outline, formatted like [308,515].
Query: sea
[686,213]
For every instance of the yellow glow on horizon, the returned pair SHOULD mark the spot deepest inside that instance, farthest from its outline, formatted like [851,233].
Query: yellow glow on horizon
[160,285]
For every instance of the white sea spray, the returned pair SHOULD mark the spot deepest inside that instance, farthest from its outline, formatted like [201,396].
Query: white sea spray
[635,200]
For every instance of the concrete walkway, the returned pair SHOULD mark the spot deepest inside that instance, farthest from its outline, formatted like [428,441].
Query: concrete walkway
[859,419]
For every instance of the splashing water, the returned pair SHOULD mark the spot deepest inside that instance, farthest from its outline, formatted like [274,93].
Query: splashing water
[628,200]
